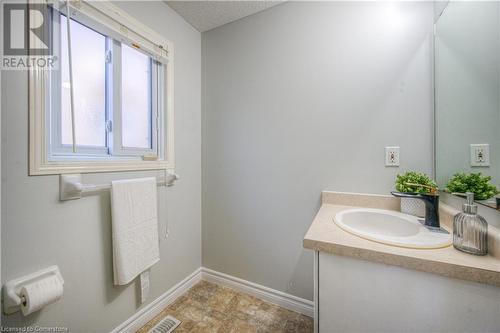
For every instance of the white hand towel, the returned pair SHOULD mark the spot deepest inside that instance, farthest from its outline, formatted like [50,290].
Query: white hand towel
[135,228]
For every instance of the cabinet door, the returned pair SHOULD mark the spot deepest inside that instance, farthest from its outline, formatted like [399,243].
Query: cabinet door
[362,296]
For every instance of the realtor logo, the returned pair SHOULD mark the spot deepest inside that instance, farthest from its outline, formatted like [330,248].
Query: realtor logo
[27,36]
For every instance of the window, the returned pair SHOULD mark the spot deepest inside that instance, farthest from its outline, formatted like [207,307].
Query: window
[114,108]
[136,99]
[121,82]
[89,79]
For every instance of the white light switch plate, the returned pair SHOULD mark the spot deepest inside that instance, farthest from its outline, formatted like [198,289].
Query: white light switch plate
[392,156]
[480,155]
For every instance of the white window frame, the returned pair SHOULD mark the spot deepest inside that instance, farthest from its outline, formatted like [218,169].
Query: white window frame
[119,23]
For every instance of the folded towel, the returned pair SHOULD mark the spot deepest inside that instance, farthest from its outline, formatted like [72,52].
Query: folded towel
[135,228]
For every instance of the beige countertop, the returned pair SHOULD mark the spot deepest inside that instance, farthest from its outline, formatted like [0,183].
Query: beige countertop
[325,236]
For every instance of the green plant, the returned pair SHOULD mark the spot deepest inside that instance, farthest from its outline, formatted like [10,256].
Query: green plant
[415,182]
[472,182]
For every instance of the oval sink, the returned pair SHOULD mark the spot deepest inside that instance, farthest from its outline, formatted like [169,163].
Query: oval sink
[391,228]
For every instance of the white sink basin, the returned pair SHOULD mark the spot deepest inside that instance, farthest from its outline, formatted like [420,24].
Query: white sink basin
[390,227]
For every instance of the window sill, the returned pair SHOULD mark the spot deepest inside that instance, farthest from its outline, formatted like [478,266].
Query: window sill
[65,166]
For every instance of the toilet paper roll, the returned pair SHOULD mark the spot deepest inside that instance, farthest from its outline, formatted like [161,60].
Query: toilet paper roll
[40,293]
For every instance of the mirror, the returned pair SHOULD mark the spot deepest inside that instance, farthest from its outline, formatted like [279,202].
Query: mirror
[467,92]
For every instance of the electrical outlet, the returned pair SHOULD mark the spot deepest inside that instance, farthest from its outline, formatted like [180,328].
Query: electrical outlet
[480,155]
[392,156]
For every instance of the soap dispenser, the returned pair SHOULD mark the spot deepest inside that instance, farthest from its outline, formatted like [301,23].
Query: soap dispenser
[470,230]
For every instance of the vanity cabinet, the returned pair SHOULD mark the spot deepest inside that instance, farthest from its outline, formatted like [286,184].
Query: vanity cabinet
[366,286]
[354,295]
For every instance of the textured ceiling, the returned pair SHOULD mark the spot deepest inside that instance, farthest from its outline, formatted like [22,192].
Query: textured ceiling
[206,15]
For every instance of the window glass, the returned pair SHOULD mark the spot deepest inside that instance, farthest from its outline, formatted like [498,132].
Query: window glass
[88,50]
[136,98]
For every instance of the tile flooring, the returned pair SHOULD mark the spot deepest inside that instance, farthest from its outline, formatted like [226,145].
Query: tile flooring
[208,307]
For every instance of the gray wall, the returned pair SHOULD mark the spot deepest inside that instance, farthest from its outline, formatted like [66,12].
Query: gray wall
[297,99]
[38,230]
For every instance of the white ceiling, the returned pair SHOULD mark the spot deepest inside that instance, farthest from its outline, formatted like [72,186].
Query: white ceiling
[206,15]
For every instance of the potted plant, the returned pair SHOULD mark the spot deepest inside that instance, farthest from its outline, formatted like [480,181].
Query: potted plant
[414,182]
[480,185]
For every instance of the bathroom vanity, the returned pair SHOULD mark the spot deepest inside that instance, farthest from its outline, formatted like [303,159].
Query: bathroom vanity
[363,285]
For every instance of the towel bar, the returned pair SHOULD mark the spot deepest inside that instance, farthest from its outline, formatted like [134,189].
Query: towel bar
[71,187]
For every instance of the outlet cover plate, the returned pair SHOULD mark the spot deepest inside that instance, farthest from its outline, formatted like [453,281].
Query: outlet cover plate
[392,156]
[480,155]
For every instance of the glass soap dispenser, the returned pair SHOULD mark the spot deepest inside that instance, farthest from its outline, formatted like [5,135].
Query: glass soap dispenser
[470,231]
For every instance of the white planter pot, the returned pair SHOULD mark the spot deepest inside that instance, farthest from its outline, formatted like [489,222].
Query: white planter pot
[413,207]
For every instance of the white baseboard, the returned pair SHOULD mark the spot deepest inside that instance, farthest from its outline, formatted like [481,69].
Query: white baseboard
[277,297]
[147,313]
[280,298]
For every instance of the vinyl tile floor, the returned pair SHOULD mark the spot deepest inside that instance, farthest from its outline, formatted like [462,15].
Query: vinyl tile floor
[208,308]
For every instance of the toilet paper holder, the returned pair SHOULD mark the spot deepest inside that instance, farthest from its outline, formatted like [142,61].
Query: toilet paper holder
[12,289]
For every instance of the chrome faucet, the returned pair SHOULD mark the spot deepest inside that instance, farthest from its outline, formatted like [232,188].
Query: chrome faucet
[431,201]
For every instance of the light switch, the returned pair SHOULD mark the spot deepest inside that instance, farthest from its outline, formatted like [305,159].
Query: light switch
[480,155]
[392,156]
